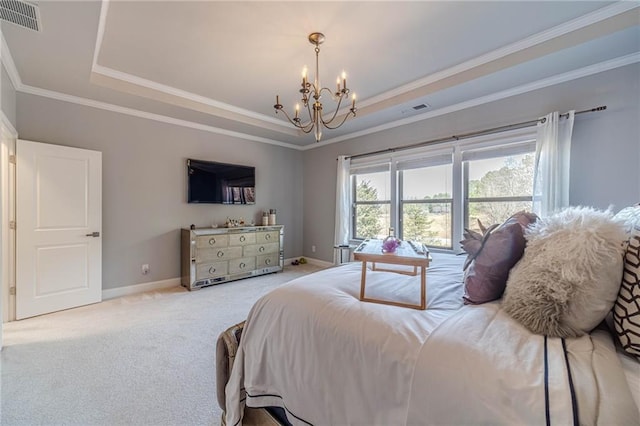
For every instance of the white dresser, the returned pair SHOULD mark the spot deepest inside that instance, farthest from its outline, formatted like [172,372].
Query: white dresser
[215,255]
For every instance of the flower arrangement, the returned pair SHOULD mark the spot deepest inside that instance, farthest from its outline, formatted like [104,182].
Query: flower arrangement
[390,244]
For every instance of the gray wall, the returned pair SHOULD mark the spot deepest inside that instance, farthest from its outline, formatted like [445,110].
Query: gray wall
[605,153]
[8,101]
[144,182]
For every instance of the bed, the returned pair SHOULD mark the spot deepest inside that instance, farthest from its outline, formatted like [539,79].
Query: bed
[313,349]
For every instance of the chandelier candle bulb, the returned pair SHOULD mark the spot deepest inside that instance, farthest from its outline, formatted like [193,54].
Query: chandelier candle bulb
[344,81]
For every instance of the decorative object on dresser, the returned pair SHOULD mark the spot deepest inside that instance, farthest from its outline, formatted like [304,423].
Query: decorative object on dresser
[216,255]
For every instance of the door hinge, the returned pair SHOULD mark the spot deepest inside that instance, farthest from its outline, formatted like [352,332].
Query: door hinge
[12,159]
[12,224]
[12,291]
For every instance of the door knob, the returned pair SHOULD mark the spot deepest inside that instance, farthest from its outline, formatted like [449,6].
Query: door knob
[93,234]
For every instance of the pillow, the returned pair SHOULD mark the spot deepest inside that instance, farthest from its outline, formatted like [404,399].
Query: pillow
[569,276]
[491,256]
[626,311]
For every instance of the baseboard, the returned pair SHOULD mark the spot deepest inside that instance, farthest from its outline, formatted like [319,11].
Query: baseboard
[112,293]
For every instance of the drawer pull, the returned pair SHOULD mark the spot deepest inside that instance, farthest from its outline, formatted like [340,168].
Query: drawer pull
[220,254]
[261,249]
[212,241]
[242,265]
[212,270]
[267,237]
[242,238]
[267,261]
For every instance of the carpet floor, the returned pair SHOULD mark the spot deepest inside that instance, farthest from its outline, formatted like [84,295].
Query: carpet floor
[145,359]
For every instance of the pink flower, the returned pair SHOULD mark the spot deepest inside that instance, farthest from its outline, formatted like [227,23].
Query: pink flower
[389,245]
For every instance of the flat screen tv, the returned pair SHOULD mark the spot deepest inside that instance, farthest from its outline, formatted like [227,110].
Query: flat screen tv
[220,183]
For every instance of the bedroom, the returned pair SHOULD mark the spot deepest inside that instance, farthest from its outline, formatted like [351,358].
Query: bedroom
[297,179]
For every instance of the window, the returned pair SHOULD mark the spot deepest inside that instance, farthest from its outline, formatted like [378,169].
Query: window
[426,204]
[372,204]
[431,194]
[497,183]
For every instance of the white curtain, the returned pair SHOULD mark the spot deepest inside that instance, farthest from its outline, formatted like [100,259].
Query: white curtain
[552,163]
[343,201]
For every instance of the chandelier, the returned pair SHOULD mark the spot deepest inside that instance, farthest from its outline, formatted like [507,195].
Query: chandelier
[316,120]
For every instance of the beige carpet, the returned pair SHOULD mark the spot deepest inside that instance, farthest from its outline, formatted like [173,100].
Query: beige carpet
[145,359]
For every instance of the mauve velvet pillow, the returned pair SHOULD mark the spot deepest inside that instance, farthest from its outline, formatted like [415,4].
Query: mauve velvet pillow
[491,257]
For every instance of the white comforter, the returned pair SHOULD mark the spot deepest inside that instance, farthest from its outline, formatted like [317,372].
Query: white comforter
[314,349]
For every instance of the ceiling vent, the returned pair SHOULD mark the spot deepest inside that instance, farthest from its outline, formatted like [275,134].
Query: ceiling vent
[22,13]
[416,108]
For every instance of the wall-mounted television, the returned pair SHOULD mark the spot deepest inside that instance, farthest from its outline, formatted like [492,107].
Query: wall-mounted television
[210,182]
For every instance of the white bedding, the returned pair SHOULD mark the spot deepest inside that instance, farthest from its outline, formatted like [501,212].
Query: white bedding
[312,348]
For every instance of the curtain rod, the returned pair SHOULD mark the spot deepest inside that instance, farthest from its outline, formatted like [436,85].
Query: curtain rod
[472,134]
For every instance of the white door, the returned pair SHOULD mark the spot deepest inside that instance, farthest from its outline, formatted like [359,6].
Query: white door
[58,228]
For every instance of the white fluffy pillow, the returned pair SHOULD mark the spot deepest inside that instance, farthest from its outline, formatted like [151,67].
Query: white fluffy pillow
[569,276]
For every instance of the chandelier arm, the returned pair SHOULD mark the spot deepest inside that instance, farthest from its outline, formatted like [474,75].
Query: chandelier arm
[326,124]
[304,128]
[335,113]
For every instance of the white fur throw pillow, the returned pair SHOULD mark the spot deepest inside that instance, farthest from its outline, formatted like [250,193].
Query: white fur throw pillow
[569,276]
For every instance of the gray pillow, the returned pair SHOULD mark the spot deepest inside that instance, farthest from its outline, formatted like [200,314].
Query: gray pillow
[568,278]
[491,256]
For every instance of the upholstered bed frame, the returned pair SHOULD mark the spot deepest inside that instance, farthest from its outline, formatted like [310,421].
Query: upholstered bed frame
[226,349]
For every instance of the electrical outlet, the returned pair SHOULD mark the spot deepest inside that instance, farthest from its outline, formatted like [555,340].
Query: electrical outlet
[313,249]
[145,269]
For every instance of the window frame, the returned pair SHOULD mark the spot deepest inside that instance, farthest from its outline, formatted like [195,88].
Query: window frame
[462,151]
[355,203]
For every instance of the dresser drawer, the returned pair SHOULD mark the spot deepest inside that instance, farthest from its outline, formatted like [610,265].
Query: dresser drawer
[242,239]
[267,237]
[258,249]
[245,264]
[206,241]
[267,260]
[225,253]
[213,269]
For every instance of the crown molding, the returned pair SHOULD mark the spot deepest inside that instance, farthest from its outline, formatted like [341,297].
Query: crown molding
[7,124]
[102,20]
[529,87]
[544,36]
[147,115]
[217,108]
[238,114]
[9,65]
[578,23]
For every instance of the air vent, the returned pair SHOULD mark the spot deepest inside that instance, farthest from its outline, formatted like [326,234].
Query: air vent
[416,108]
[21,13]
